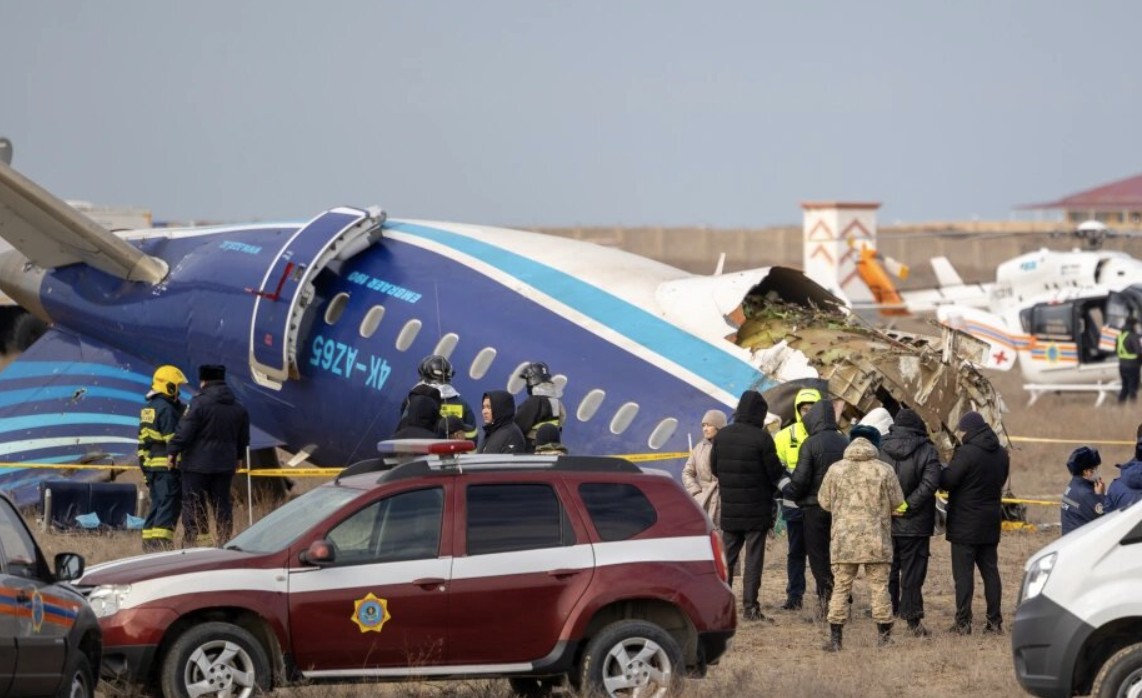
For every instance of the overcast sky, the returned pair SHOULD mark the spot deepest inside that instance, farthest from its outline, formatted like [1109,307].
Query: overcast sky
[592,113]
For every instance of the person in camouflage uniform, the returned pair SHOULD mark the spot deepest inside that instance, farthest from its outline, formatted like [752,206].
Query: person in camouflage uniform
[861,492]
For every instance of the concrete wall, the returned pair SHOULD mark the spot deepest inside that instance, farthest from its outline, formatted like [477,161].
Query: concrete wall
[975,248]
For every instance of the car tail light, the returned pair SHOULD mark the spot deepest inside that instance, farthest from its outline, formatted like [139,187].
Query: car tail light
[719,556]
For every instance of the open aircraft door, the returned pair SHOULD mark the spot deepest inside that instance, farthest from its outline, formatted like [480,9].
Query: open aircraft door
[287,288]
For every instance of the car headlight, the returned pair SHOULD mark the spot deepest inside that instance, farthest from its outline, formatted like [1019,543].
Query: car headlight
[106,600]
[1037,576]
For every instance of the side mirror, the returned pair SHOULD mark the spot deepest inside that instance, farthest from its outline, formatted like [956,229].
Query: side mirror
[319,552]
[69,567]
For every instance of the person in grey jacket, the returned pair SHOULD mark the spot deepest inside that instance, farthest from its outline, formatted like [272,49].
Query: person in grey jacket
[914,458]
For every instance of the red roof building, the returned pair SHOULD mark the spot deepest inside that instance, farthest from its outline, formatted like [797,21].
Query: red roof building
[1116,203]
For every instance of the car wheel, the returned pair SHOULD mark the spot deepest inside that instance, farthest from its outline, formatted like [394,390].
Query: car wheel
[215,659]
[1121,675]
[79,682]
[533,686]
[632,657]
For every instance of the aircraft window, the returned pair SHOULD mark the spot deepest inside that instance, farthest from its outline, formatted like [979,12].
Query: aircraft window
[1053,321]
[447,345]
[372,321]
[515,383]
[335,308]
[560,381]
[662,433]
[623,417]
[482,363]
[590,404]
[408,334]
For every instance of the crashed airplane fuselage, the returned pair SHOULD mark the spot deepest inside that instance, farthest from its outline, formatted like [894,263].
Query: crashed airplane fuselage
[322,325]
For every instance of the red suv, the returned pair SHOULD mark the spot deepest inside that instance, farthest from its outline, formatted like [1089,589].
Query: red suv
[533,568]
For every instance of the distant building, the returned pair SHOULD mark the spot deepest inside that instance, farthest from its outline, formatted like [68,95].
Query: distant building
[1117,203]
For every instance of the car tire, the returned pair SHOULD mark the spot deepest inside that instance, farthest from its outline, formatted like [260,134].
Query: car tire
[79,680]
[1119,674]
[219,655]
[632,656]
[533,686]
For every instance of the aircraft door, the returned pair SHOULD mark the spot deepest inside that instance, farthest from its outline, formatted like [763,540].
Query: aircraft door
[288,286]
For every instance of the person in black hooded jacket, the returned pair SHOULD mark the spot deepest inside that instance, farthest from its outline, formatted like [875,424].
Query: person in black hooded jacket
[208,446]
[826,445]
[501,435]
[744,459]
[913,456]
[421,420]
[974,481]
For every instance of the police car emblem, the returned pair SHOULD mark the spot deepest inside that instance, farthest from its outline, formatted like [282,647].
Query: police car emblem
[37,611]
[370,613]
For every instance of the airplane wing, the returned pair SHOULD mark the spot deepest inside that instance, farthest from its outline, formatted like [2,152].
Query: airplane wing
[68,399]
[52,234]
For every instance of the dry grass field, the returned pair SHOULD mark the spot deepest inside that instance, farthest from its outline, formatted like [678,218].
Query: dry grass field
[784,659]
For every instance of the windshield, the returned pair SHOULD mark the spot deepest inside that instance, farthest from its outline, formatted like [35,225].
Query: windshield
[283,525]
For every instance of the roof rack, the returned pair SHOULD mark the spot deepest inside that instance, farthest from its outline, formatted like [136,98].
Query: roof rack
[405,465]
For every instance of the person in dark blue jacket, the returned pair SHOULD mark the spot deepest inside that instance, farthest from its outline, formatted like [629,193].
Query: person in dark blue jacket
[1127,487]
[207,448]
[1083,500]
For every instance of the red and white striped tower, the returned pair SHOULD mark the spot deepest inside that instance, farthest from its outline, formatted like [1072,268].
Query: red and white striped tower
[830,258]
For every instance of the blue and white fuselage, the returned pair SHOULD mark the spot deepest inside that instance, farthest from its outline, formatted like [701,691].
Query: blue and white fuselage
[639,347]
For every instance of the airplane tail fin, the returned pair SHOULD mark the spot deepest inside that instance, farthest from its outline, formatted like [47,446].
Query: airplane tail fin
[946,274]
[876,272]
[52,234]
[989,328]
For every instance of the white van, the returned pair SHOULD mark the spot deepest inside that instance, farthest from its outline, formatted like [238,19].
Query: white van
[1078,624]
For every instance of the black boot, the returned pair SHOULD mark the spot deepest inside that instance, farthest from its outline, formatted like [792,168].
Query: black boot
[836,631]
[883,634]
[793,603]
[916,627]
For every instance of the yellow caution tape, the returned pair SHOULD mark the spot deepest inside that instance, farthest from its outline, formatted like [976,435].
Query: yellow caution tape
[67,466]
[1038,440]
[640,457]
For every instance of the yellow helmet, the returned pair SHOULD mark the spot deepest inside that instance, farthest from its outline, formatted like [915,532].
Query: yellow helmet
[167,379]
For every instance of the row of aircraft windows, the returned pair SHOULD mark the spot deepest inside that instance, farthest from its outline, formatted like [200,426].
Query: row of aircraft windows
[482,362]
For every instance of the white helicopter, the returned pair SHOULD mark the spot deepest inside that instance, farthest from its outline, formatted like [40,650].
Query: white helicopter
[1056,314]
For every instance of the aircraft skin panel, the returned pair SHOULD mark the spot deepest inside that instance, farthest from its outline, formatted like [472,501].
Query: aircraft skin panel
[67,400]
[728,373]
[349,388]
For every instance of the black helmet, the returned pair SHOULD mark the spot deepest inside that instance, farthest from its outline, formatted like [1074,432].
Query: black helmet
[535,373]
[435,369]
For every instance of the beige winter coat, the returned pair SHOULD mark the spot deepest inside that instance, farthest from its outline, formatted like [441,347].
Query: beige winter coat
[701,483]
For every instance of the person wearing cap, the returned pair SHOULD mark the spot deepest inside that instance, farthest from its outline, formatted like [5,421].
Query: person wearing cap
[696,475]
[910,453]
[207,448]
[1084,498]
[157,423]
[1127,487]
[825,446]
[788,442]
[744,460]
[547,441]
[974,482]
[861,492]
